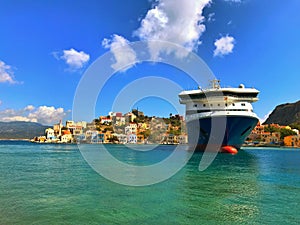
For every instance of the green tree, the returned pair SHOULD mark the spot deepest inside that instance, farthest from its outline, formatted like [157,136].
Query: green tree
[286,132]
[272,129]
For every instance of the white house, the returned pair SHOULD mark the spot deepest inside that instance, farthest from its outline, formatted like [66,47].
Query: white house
[122,138]
[49,132]
[131,139]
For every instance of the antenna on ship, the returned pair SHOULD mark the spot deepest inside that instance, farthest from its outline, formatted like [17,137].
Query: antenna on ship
[215,83]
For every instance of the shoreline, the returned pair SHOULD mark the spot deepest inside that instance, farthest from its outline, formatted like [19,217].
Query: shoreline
[14,139]
[244,146]
[270,146]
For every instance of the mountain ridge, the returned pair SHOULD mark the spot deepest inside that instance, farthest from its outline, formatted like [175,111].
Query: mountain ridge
[21,130]
[285,114]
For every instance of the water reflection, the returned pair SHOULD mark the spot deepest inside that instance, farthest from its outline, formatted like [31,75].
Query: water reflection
[226,192]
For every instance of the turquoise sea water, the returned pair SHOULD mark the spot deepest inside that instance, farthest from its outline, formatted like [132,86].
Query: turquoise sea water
[52,184]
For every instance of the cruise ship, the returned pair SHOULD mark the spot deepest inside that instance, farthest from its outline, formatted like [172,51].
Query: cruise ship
[219,117]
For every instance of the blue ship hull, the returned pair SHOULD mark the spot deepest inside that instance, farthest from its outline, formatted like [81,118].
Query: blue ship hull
[233,131]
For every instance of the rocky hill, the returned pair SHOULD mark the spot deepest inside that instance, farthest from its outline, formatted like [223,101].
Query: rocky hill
[285,114]
[21,130]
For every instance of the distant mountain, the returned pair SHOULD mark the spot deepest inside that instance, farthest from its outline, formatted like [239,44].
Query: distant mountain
[21,130]
[285,114]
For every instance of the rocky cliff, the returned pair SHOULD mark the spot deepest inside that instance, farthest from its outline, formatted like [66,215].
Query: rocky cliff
[285,114]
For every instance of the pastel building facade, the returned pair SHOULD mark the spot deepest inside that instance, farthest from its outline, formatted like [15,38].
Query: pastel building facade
[292,141]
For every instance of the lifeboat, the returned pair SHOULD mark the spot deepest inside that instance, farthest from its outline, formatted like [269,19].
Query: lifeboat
[229,149]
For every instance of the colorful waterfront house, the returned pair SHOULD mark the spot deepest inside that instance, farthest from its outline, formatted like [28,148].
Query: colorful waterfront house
[119,121]
[116,118]
[258,129]
[122,121]
[182,139]
[69,123]
[292,141]
[105,120]
[276,134]
[296,131]
[122,138]
[79,138]
[76,128]
[96,139]
[131,139]
[66,136]
[119,114]
[264,136]
[272,139]
[57,128]
[41,139]
[127,130]
[254,136]
[171,139]
[130,117]
[131,128]
[101,137]
[49,132]
[91,133]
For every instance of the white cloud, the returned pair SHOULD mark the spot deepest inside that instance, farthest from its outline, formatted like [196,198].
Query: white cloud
[6,74]
[47,115]
[210,17]
[224,46]
[174,21]
[74,59]
[17,118]
[43,114]
[123,53]
[29,108]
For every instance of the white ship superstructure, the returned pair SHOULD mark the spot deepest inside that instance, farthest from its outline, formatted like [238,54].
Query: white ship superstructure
[232,105]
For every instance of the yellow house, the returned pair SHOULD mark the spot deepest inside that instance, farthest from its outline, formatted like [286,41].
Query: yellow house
[288,128]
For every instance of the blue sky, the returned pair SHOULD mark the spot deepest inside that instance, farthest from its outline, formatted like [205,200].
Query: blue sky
[46,47]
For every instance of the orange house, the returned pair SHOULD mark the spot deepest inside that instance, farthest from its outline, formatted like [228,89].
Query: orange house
[292,141]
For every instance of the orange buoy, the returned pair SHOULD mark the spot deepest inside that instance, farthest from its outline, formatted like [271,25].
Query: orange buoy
[229,149]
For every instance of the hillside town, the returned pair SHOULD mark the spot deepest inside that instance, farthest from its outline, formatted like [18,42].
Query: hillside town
[118,128]
[136,128]
[273,135]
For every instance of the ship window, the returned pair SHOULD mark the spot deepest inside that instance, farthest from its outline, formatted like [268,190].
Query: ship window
[211,104]
[204,105]
[218,104]
[233,104]
[226,104]
[195,105]
[243,104]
